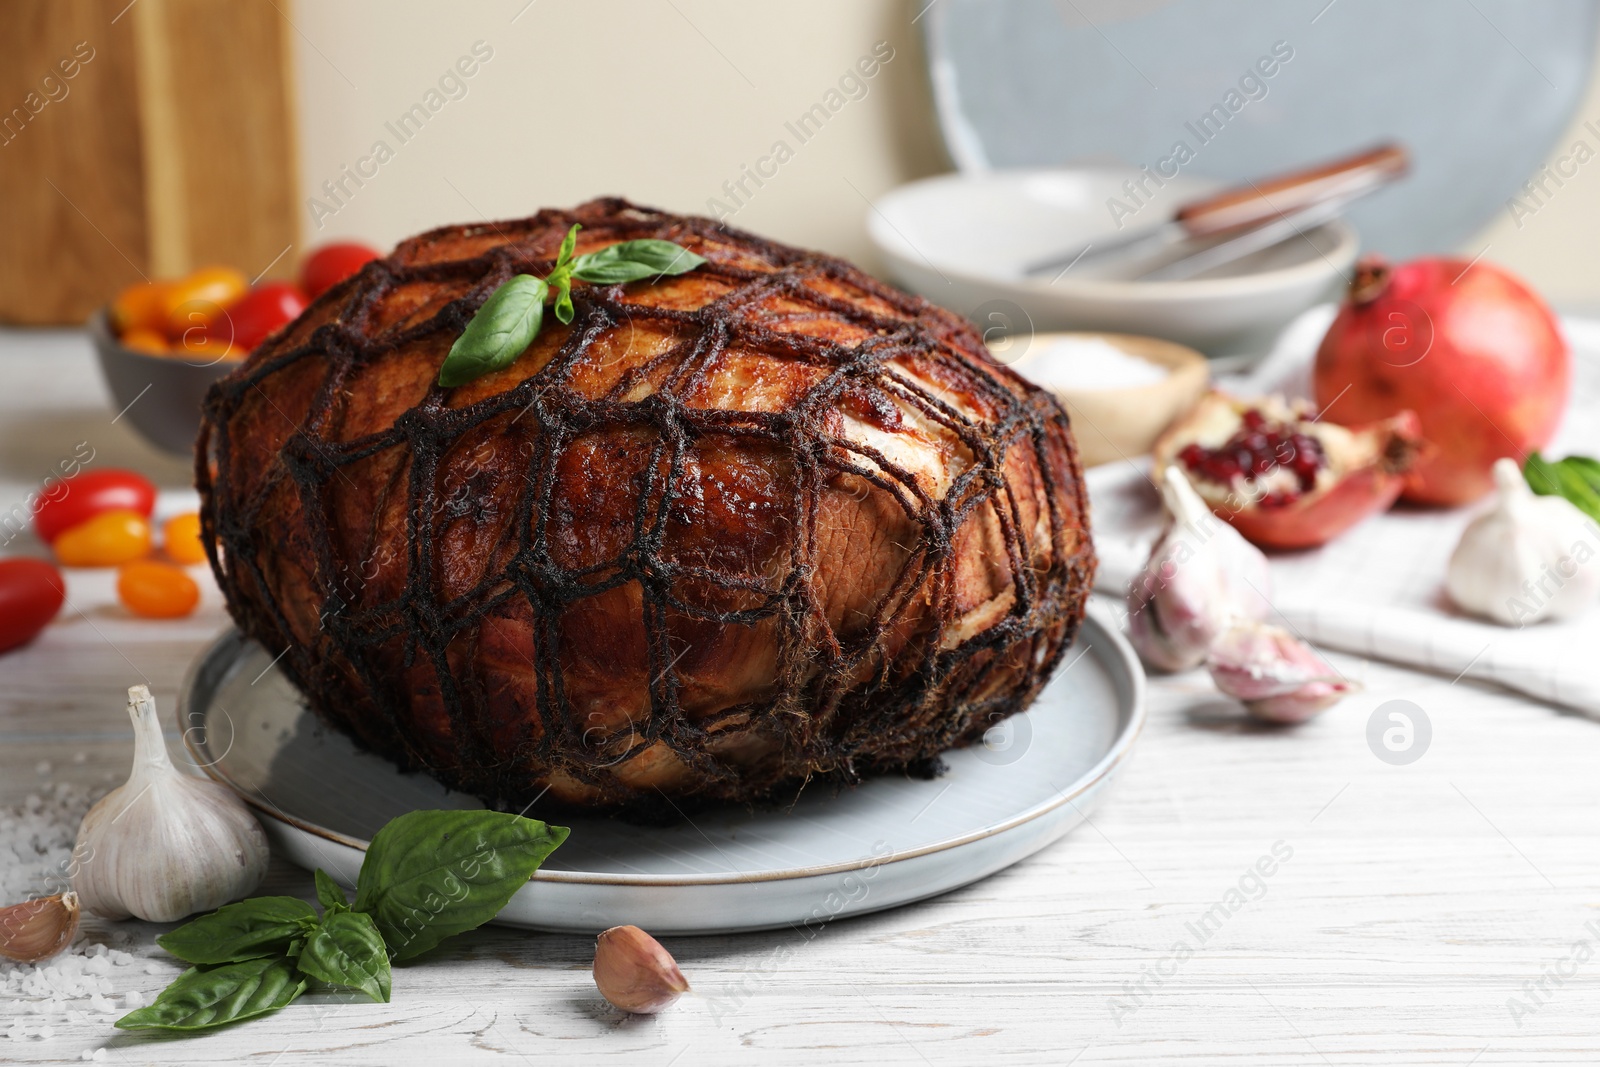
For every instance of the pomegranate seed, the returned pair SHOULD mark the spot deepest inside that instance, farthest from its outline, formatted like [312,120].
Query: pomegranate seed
[1256,449]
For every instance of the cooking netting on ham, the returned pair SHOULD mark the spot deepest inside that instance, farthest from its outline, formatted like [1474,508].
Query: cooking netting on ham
[766,522]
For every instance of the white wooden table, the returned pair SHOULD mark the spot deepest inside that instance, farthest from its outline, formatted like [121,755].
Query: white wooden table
[1417,901]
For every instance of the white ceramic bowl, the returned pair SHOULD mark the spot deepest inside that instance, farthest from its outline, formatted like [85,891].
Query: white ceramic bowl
[960,240]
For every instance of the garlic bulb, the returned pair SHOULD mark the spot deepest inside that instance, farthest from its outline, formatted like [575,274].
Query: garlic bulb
[1277,677]
[1202,576]
[165,845]
[1528,558]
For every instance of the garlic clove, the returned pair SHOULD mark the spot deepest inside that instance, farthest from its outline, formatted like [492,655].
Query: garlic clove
[1527,558]
[634,972]
[165,845]
[38,929]
[1277,677]
[1201,577]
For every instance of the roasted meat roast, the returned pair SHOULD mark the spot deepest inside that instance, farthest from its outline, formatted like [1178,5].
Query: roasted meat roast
[763,523]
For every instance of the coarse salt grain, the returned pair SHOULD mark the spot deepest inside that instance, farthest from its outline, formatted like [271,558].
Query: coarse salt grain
[1089,363]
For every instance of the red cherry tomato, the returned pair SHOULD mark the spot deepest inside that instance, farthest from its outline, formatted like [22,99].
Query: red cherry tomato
[31,592]
[332,264]
[74,501]
[257,314]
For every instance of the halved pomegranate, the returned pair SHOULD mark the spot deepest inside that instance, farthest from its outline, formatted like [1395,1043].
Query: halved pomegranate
[1279,477]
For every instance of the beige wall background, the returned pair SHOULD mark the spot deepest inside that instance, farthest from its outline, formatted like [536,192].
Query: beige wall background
[664,101]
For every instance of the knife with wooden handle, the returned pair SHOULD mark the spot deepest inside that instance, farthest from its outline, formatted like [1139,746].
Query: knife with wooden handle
[1246,207]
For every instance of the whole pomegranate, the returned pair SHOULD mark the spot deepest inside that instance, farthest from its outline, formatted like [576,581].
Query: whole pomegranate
[1473,351]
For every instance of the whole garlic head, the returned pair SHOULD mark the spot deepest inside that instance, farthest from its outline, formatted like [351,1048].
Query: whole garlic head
[1201,578]
[1528,558]
[164,845]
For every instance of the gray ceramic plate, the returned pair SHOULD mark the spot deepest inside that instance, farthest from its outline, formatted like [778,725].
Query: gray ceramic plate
[888,842]
[1477,91]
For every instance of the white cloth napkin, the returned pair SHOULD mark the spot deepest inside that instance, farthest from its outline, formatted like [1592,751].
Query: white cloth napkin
[1378,590]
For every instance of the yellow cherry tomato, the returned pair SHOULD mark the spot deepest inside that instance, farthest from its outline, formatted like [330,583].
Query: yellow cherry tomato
[156,590]
[180,539]
[108,539]
[198,347]
[141,306]
[150,342]
[201,297]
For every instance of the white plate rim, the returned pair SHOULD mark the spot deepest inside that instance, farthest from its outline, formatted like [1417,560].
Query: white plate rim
[1106,635]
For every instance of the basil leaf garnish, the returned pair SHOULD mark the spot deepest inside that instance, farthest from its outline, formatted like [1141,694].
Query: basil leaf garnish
[633,260]
[569,245]
[501,331]
[200,999]
[261,926]
[560,279]
[1577,478]
[510,319]
[563,304]
[429,875]
[330,894]
[346,949]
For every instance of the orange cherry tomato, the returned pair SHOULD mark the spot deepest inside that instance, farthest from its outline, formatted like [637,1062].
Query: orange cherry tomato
[155,590]
[193,302]
[108,539]
[202,348]
[141,306]
[150,342]
[180,539]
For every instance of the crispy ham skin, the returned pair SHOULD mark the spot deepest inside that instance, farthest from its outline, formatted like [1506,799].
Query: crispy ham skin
[727,532]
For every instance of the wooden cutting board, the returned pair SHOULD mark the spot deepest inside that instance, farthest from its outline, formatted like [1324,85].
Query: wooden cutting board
[140,140]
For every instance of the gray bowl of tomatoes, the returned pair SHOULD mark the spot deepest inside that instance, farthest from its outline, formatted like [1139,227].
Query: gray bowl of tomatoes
[161,344]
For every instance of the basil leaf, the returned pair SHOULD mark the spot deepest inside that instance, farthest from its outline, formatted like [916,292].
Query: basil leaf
[330,894]
[569,244]
[347,950]
[1577,478]
[1540,475]
[560,279]
[1587,466]
[633,260]
[200,999]
[430,875]
[563,305]
[260,926]
[501,331]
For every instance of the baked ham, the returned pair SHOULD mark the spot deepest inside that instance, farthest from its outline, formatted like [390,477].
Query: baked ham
[766,522]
